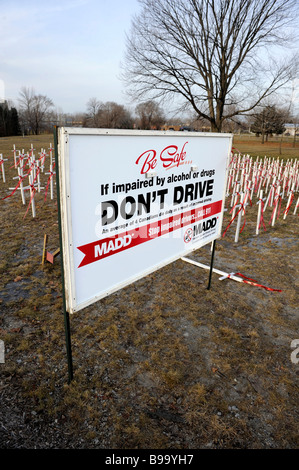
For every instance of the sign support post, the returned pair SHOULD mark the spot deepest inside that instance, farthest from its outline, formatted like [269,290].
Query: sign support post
[65,312]
[211,265]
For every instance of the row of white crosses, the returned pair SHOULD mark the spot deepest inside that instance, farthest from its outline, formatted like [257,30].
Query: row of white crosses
[31,166]
[270,180]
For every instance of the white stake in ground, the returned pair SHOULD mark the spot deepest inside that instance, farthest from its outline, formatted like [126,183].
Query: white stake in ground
[50,153]
[235,198]
[260,202]
[290,200]
[50,181]
[241,209]
[38,175]
[276,201]
[14,156]
[2,160]
[20,172]
[234,189]
[32,193]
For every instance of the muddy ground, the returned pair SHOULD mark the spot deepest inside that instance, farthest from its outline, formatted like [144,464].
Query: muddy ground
[162,364]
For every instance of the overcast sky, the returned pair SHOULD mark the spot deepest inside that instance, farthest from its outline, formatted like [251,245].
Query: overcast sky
[69,50]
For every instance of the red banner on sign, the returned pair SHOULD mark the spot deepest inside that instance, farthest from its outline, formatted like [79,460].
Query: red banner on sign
[100,249]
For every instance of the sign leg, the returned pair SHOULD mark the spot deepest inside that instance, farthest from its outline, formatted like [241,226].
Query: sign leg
[65,312]
[68,345]
[211,265]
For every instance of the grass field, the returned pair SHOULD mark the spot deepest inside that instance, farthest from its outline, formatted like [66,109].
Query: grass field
[249,144]
[162,364]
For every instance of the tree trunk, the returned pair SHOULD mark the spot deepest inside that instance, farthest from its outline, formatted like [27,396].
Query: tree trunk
[216,126]
[280,144]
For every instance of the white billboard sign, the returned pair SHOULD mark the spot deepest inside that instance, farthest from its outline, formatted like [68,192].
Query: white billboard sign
[134,201]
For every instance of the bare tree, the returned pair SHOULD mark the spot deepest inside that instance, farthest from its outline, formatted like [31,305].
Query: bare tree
[213,54]
[150,115]
[34,109]
[115,116]
[270,120]
[93,108]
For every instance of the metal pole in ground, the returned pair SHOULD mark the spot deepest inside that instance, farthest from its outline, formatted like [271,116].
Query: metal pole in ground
[65,313]
[211,264]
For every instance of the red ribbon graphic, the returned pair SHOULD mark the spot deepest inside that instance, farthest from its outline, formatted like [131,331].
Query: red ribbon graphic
[105,247]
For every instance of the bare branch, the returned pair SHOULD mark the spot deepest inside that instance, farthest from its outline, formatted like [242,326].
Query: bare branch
[34,108]
[210,53]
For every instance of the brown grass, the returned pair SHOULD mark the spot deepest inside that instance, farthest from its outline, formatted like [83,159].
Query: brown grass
[163,363]
[277,146]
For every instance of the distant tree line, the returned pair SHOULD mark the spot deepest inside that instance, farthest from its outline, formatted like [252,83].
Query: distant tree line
[148,115]
[270,120]
[107,115]
[34,111]
[36,114]
[9,120]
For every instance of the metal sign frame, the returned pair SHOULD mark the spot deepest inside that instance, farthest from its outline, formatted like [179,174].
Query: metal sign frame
[75,202]
[65,194]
